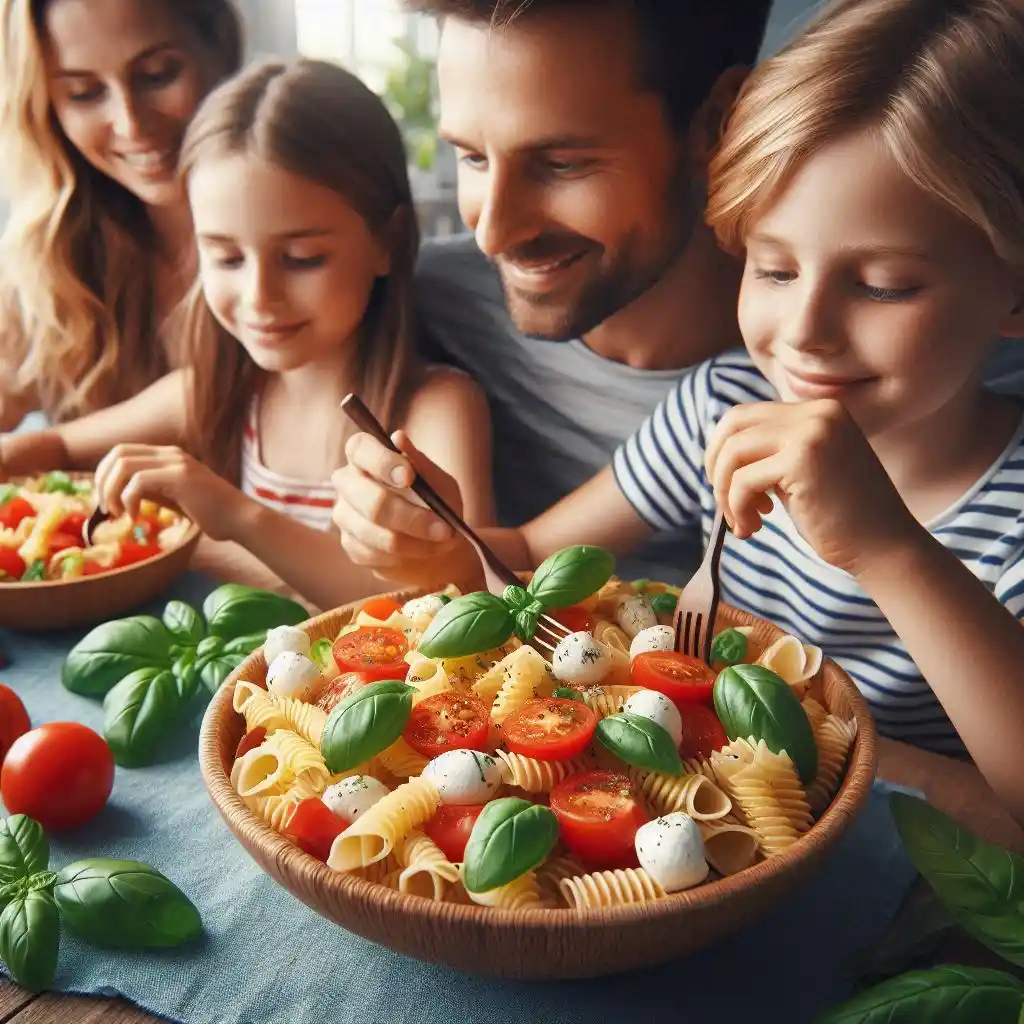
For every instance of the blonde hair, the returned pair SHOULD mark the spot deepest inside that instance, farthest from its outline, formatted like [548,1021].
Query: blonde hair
[321,123]
[939,82]
[77,296]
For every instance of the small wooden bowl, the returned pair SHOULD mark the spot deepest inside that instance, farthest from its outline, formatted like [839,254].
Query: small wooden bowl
[538,944]
[49,605]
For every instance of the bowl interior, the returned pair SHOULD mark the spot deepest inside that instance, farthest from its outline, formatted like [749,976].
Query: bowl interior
[537,943]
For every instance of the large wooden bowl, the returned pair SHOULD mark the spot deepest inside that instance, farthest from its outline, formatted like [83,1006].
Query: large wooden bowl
[536,943]
[49,605]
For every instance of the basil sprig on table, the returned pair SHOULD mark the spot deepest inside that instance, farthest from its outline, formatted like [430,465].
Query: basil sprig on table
[482,621]
[120,903]
[982,887]
[753,702]
[639,742]
[365,723]
[511,836]
[149,670]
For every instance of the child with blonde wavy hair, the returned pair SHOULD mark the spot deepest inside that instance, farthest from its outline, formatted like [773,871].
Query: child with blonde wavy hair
[872,177]
[297,182]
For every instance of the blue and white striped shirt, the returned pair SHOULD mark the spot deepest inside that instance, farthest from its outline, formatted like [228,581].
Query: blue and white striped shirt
[777,574]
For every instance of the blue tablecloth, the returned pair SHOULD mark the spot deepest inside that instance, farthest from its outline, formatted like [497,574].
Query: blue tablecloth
[267,958]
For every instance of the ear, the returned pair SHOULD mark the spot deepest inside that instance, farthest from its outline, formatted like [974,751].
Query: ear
[709,122]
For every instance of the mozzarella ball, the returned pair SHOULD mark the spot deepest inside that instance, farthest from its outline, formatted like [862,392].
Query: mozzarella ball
[671,850]
[294,675]
[464,776]
[653,638]
[421,610]
[354,796]
[284,638]
[634,613]
[580,659]
[658,708]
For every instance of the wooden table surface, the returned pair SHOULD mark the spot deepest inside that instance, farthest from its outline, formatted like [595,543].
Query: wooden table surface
[952,786]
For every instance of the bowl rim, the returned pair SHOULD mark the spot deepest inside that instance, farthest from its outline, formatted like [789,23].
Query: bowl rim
[319,878]
[20,586]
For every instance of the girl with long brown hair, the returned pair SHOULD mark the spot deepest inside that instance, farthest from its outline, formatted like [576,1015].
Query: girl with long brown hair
[297,183]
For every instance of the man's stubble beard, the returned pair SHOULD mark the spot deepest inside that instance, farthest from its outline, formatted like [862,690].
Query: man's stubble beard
[615,284]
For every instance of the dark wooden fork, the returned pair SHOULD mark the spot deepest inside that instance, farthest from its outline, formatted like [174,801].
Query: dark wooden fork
[497,575]
[698,603]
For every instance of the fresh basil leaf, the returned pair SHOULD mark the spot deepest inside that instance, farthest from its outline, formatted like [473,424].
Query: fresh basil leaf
[35,572]
[7,493]
[184,623]
[41,881]
[57,482]
[981,884]
[243,646]
[186,674]
[209,645]
[124,904]
[108,653]
[526,621]
[321,652]
[568,693]
[754,702]
[639,742]
[951,994]
[139,714]
[214,670]
[24,849]
[571,575]
[365,723]
[517,598]
[729,647]
[510,837]
[663,604]
[30,939]
[640,585]
[234,610]
[470,624]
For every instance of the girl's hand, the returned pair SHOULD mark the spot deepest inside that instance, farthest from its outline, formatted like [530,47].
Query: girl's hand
[167,475]
[816,460]
[383,525]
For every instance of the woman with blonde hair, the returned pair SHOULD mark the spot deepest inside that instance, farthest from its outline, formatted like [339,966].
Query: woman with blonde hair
[298,188]
[95,97]
[871,176]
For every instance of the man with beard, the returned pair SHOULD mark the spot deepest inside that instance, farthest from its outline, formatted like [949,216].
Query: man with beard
[582,133]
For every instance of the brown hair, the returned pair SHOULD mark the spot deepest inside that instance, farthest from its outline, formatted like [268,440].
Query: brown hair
[319,122]
[685,45]
[939,82]
[77,296]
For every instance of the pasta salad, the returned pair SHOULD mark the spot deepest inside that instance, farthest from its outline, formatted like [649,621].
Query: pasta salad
[433,750]
[41,520]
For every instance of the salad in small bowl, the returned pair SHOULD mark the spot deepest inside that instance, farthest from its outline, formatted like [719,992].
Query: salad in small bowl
[426,771]
[51,579]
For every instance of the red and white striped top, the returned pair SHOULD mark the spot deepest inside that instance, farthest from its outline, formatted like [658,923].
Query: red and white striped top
[309,503]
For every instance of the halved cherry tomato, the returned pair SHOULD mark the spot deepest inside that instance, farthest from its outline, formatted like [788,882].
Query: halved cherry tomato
[703,733]
[13,719]
[340,688]
[252,739]
[60,773]
[313,826]
[93,568]
[12,512]
[448,721]
[575,618]
[550,729]
[377,651]
[11,563]
[73,524]
[684,680]
[133,553]
[598,815]
[450,828]
[61,541]
[381,608]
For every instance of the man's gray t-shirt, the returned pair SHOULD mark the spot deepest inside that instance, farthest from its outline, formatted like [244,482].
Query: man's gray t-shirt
[559,410]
